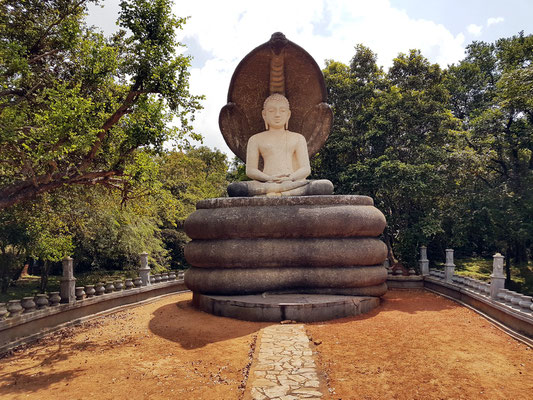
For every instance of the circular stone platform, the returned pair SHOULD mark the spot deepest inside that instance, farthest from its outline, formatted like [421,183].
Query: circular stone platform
[322,245]
[268,307]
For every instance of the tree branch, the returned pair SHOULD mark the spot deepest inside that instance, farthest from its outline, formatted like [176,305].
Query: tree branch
[131,98]
[27,190]
[55,23]
[37,58]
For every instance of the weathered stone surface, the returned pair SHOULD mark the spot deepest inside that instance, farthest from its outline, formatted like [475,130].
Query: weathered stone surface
[285,221]
[257,280]
[221,202]
[376,290]
[316,244]
[285,253]
[285,381]
[279,307]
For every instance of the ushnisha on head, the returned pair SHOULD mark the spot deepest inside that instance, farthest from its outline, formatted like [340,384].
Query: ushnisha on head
[276,112]
[276,97]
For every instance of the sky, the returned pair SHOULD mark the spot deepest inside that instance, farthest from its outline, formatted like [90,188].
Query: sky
[219,34]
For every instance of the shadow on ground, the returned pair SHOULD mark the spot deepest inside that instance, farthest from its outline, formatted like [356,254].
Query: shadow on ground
[44,354]
[182,323]
[17,381]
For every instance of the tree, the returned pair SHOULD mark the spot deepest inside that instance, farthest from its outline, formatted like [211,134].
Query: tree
[14,240]
[74,105]
[497,113]
[33,230]
[187,177]
[393,137]
[351,93]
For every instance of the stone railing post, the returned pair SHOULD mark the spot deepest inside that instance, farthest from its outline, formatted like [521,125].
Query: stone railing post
[67,285]
[449,267]
[497,281]
[144,271]
[424,262]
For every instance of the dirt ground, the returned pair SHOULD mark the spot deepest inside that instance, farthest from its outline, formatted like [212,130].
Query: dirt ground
[415,346]
[418,345]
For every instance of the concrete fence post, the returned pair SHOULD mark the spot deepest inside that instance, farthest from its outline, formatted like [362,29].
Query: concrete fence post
[449,267]
[497,281]
[144,271]
[67,286]
[424,262]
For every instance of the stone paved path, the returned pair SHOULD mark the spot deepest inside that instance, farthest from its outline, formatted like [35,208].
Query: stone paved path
[284,368]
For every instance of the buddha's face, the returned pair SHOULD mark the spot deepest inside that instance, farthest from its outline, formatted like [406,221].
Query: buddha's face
[276,114]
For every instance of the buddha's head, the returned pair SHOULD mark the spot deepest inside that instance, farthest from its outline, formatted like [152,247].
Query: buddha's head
[276,112]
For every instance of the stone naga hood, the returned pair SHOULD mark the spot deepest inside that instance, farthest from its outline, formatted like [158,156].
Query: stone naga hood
[277,66]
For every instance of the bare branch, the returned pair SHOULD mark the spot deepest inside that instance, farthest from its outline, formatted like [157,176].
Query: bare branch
[37,58]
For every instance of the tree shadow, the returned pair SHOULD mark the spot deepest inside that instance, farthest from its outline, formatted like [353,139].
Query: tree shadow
[45,353]
[30,382]
[26,380]
[191,328]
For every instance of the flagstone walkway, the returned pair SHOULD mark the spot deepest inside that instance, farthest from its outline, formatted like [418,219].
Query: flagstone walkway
[284,368]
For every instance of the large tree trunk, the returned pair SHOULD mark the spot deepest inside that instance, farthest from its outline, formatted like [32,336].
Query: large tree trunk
[44,276]
[388,241]
[508,268]
[520,253]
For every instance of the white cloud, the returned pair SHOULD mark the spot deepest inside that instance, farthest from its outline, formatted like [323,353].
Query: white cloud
[474,29]
[494,21]
[227,31]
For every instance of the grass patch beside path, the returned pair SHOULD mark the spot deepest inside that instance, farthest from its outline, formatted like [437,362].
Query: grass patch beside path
[28,286]
[481,268]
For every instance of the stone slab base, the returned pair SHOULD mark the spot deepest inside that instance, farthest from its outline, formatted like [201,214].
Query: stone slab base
[405,282]
[279,307]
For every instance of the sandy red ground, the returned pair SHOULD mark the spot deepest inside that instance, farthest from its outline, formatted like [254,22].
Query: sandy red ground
[415,346]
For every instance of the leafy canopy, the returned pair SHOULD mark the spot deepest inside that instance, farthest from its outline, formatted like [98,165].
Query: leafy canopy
[74,105]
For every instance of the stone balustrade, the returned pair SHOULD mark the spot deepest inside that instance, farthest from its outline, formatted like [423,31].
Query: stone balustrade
[494,290]
[43,301]
[511,309]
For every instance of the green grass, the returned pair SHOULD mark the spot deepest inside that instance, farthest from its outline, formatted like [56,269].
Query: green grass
[28,286]
[481,268]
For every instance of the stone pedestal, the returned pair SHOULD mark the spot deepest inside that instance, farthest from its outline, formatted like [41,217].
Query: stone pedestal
[301,245]
[424,262]
[449,266]
[144,271]
[276,307]
[497,278]
[67,286]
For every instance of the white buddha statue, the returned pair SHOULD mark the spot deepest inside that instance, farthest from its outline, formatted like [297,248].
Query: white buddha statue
[285,158]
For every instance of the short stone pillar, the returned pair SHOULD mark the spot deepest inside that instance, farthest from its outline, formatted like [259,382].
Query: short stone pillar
[497,281]
[449,267]
[68,282]
[424,262]
[144,271]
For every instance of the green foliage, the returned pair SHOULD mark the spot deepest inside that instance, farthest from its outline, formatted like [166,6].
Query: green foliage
[187,177]
[498,204]
[107,229]
[391,139]
[481,268]
[109,234]
[446,155]
[75,106]
[237,171]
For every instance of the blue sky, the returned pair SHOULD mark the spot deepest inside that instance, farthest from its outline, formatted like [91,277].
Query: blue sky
[219,34]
